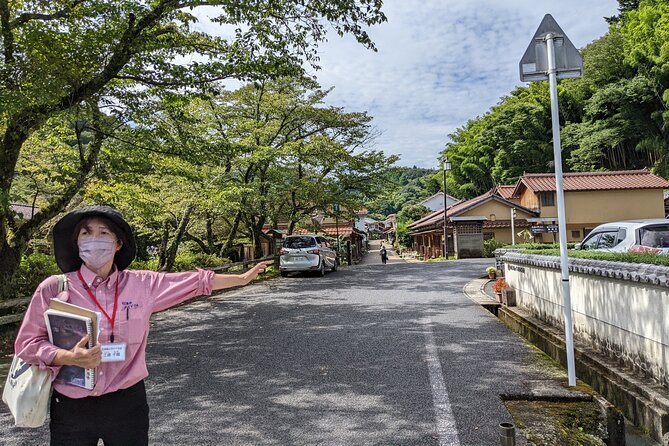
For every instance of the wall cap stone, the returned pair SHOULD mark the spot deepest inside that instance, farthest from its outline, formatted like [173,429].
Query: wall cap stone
[631,272]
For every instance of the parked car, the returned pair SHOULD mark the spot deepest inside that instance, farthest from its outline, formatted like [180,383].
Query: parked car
[307,253]
[631,235]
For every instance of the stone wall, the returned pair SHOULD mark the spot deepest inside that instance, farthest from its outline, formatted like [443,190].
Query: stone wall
[618,308]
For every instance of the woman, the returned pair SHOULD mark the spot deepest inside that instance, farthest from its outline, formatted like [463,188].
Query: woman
[93,247]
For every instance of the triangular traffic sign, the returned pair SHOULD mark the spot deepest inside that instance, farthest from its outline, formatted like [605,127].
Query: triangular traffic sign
[534,63]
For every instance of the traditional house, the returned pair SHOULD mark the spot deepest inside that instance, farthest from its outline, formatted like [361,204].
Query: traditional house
[469,223]
[436,201]
[591,198]
[26,211]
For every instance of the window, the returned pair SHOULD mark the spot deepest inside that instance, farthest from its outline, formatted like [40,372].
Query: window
[608,240]
[488,235]
[576,234]
[299,242]
[590,243]
[547,198]
[655,236]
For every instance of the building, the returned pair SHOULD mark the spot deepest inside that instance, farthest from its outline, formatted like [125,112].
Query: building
[26,211]
[470,222]
[436,201]
[591,198]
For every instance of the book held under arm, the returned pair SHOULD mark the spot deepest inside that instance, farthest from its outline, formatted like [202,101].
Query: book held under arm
[66,326]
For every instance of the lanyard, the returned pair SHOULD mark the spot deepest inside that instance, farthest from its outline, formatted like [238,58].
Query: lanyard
[113,316]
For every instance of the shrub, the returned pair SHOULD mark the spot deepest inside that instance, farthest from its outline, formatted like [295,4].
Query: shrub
[629,257]
[184,261]
[491,269]
[489,247]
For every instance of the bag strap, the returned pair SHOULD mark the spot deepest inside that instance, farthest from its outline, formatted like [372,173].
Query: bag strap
[63,284]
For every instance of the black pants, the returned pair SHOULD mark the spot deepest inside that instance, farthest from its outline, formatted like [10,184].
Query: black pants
[119,419]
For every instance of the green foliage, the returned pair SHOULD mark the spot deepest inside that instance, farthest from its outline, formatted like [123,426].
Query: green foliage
[403,186]
[34,268]
[629,257]
[412,213]
[489,247]
[403,239]
[184,261]
[538,246]
[65,61]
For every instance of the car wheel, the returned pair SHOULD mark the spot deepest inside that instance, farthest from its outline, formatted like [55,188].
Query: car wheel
[334,265]
[321,271]
[284,274]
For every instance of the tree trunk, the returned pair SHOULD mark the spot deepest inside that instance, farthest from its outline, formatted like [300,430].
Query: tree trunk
[12,246]
[228,247]
[171,252]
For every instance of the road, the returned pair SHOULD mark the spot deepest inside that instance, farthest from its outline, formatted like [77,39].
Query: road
[373,354]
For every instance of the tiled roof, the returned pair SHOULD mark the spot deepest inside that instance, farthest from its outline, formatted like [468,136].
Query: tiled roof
[518,223]
[428,219]
[329,229]
[505,192]
[583,181]
[25,210]
[463,206]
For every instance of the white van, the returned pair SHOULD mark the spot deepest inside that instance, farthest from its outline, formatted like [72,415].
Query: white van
[630,235]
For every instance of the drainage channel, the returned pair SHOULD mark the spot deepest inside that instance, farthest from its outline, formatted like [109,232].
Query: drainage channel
[589,421]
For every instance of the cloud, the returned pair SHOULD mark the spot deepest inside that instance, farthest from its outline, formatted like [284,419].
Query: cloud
[441,63]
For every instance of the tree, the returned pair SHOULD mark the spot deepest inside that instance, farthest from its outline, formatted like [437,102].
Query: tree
[412,213]
[294,155]
[66,54]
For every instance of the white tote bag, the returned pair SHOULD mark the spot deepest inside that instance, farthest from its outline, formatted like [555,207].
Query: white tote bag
[28,389]
[27,392]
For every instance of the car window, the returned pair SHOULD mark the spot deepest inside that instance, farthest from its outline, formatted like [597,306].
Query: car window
[607,240]
[322,242]
[591,242]
[622,233]
[299,242]
[654,236]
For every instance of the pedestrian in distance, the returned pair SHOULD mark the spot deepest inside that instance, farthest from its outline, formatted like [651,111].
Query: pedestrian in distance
[384,254]
[94,246]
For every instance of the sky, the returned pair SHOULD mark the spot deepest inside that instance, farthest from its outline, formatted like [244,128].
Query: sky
[442,62]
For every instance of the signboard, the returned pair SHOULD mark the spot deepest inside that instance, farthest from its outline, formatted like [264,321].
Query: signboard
[542,229]
[534,64]
[538,229]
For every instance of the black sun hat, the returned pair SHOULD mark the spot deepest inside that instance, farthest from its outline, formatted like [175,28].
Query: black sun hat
[64,241]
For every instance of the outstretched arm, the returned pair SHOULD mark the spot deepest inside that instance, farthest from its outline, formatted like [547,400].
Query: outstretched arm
[222,281]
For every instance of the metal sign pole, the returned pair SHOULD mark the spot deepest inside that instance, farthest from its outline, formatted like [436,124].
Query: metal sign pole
[513,229]
[562,223]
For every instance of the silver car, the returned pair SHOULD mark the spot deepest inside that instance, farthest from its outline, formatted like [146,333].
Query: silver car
[650,235]
[307,253]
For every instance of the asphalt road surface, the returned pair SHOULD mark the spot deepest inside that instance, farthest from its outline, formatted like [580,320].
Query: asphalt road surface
[369,355]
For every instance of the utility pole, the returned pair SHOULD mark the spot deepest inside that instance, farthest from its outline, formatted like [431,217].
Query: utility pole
[537,64]
[446,166]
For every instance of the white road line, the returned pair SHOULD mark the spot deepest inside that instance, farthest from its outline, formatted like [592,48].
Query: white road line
[446,430]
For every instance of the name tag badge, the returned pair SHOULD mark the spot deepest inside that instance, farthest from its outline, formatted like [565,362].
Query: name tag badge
[113,352]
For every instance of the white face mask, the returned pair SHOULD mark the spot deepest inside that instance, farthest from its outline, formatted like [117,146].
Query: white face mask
[97,252]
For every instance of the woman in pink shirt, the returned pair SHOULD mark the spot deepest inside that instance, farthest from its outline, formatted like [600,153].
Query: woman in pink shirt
[93,247]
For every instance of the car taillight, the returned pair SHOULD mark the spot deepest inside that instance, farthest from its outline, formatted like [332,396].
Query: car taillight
[283,251]
[313,251]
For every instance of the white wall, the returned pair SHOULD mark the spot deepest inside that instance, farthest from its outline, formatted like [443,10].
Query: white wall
[613,309]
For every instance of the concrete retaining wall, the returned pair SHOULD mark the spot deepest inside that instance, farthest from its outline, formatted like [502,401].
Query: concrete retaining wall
[618,308]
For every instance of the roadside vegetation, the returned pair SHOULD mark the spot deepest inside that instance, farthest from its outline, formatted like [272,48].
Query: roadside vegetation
[128,104]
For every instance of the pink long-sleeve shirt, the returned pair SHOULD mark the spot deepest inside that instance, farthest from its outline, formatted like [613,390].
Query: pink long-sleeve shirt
[141,293]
